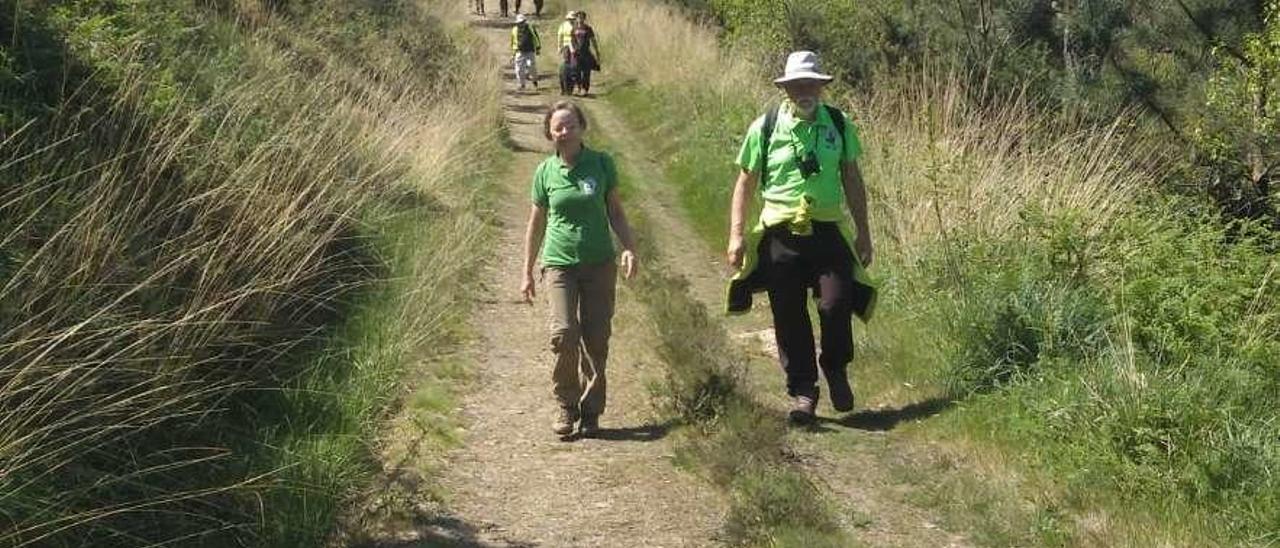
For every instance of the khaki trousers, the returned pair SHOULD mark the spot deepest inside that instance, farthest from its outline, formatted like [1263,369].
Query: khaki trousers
[581,299]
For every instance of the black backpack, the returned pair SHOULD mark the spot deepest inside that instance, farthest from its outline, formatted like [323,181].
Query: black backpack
[524,38]
[766,133]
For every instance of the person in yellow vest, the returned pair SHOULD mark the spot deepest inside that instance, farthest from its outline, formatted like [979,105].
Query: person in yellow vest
[526,45]
[564,39]
[801,157]
[565,32]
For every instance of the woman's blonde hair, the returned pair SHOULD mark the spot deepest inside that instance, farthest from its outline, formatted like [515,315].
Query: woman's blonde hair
[558,106]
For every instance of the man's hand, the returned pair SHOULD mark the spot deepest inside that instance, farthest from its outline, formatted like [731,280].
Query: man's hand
[734,254]
[862,246]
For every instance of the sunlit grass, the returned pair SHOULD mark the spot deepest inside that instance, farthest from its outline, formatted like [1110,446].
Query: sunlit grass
[1028,272]
[209,302]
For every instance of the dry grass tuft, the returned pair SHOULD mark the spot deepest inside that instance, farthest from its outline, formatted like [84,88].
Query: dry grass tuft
[171,273]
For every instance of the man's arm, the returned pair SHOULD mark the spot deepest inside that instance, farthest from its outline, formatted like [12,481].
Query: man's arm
[855,196]
[743,189]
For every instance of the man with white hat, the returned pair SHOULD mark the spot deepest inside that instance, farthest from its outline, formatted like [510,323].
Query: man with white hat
[526,44]
[802,158]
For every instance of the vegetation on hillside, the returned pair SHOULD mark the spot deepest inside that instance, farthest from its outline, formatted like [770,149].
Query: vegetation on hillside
[1054,256]
[199,211]
[1205,72]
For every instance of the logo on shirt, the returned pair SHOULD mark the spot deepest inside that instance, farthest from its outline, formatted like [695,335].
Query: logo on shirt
[589,186]
[829,135]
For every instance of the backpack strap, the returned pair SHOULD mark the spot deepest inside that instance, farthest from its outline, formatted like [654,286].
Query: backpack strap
[766,133]
[837,118]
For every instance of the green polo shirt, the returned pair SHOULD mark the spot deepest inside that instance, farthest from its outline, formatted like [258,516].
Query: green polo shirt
[783,187]
[577,215]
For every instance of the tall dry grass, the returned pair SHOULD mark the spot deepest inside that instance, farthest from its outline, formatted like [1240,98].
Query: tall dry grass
[941,151]
[944,152]
[659,46]
[165,285]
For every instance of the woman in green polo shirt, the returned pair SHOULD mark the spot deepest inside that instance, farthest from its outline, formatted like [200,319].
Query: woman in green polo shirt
[575,204]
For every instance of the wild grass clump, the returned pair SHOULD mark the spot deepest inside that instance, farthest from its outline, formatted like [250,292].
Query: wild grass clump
[191,238]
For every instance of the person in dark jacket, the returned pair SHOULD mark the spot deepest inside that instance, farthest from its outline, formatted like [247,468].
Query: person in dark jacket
[586,52]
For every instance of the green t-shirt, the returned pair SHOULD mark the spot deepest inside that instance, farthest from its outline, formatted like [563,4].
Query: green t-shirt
[792,138]
[577,215]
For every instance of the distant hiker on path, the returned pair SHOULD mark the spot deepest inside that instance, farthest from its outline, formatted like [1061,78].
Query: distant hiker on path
[537,8]
[802,157]
[526,45]
[477,7]
[585,52]
[502,7]
[575,203]
[564,40]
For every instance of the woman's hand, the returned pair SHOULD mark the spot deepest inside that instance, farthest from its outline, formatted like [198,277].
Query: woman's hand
[630,263]
[528,289]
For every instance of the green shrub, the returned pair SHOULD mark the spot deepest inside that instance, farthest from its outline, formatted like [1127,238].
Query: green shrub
[1021,303]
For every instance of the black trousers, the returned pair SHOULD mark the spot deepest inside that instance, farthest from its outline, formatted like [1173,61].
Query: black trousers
[568,78]
[797,265]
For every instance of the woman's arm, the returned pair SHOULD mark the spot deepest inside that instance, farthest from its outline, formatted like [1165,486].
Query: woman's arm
[618,220]
[532,244]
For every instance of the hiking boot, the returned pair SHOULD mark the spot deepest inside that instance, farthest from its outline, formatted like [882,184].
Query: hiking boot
[802,407]
[564,421]
[841,393]
[589,426]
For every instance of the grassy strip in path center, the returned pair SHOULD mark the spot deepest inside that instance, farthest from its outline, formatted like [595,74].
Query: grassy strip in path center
[731,439]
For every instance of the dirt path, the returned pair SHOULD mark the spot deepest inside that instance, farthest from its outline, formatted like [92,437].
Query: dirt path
[514,483]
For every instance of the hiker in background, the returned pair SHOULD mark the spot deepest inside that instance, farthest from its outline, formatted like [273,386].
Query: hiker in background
[517,12]
[526,45]
[477,7]
[502,7]
[537,8]
[564,39]
[803,155]
[575,204]
[585,52]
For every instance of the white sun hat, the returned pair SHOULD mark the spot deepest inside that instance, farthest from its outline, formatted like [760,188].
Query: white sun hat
[520,18]
[571,14]
[802,65]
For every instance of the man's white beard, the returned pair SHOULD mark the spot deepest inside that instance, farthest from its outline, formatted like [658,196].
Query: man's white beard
[807,107]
